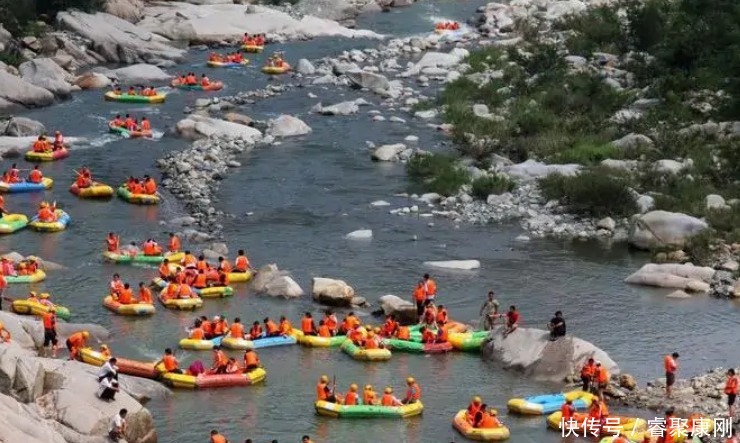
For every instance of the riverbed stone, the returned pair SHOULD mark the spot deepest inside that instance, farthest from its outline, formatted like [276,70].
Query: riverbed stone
[715,202]
[288,126]
[305,67]
[361,234]
[343,108]
[18,94]
[403,310]
[531,170]
[332,292]
[24,127]
[387,153]
[92,80]
[197,126]
[662,229]
[367,80]
[460,265]
[139,74]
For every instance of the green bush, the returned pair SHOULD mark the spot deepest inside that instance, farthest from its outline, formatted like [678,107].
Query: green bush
[484,186]
[436,173]
[484,58]
[586,153]
[449,181]
[593,193]
[599,28]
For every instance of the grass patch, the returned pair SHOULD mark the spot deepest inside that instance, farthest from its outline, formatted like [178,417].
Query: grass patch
[436,173]
[484,58]
[593,193]
[482,187]
[586,152]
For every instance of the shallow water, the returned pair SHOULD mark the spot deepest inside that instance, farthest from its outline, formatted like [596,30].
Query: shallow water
[305,194]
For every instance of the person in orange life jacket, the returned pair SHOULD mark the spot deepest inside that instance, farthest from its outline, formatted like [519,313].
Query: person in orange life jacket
[173,245]
[488,419]
[351,398]
[413,394]
[35,176]
[430,315]
[427,335]
[188,260]
[220,326]
[251,360]
[245,37]
[512,320]
[271,329]
[388,399]
[207,327]
[204,81]
[145,294]
[5,335]
[220,361]
[356,336]
[14,174]
[307,325]
[731,389]
[371,342]
[390,326]
[441,317]
[49,321]
[430,289]
[200,280]
[40,145]
[323,391]
[241,264]
[47,214]
[567,411]
[126,297]
[116,285]
[442,335]
[75,343]
[259,40]
[255,332]
[671,367]
[601,378]
[331,322]
[217,438]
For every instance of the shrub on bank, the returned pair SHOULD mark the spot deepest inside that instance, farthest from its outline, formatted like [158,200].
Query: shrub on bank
[592,193]
[484,186]
[436,173]
[586,152]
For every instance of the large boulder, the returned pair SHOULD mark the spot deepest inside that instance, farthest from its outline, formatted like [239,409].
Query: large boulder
[119,41]
[219,22]
[343,108]
[24,127]
[287,126]
[197,126]
[531,353]
[141,73]
[129,10]
[332,292]
[23,423]
[338,10]
[404,310]
[662,229]
[438,60]
[92,80]
[532,170]
[387,153]
[18,94]
[45,73]
[272,281]
[686,276]
[367,80]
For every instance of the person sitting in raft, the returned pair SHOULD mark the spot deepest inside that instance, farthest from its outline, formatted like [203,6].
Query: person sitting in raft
[285,327]
[58,141]
[441,317]
[188,260]
[256,332]
[220,326]
[131,91]
[351,398]
[369,397]
[46,213]
[185,291]
[594,415]
[75,343]
[427,335]
[190,79]
[442,335]
[567,411]
[512,321]
[487,419]
[146,91]
[388,399]
[271,329]
[12,175]
[4,334]
[200,281]
[151,248]
[323,391]
[323,330]
[130,249]
[133,126]
[40,145]
[251,360]
[403,333]
[245,38]
[7,267]
[213,57]
[474,408]
[331,322]
[196,332]
[169,362]
[32,297]
[145,294]
[389,327]
[173,245]
[117,122]
[220,361]
[35,175]
[430,316]
[44,299]
[357,336]
[349,323]
[413,393]
[146,126]
[307,325]
[238,58]
[105,352]
[112,242]
[236,330]
[232,367]
[241,264]
[259,40]
[84,180]
[372,342]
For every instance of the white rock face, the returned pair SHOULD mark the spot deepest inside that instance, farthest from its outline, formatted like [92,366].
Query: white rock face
[532,170]
[332,292]
[607,223]
[288,126]
[714,201]
[92,80]
[387,153]
[343,108]
[129,10]
[465,265]
[119,41]
[645,203]
[198,126]
[305,67]
[670,167]
[659,229]
[45,73]
[141,73]
[368,80]
[24,127]
[404,310]
[215,23]
[17,94]
[438,60]
[362,234]
[530,352]
[272,281]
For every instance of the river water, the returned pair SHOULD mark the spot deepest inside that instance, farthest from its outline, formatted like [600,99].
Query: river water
[304,195]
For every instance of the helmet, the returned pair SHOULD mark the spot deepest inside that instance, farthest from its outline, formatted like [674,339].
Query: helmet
[353,387]
[85,334]
[368,327]
[411,380]
[477,399]
[368,387]
[388,390]
[32,294]
[325,378]
[44,295]
[493,411]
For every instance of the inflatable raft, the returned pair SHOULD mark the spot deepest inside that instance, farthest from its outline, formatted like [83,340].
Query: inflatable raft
[213,64]
[695,424]
[134,309]
[334,410]
[239,277]
[96,190]
[27,307]
[48,156]
[137,199]
[14,188]
[213,86]
[183,304]
[125,366]
[209,292]
[253,48]
[200,345]
[417,347]
[60,224]
[241,344]
[461,424]
[11,223]
[549,403]
[209,381]
[314,341]
[468,342]
[141,258]
[275,70]
[359,353]
[617,424]
[125,98]
[128,134]
[26,279]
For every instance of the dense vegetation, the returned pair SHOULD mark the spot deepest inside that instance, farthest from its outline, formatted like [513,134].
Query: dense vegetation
[19,16]
[680,58]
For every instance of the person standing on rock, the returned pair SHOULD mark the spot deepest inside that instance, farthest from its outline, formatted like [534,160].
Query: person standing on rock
[557,326]
[419,298]
[117,427]
[601,377]
[671,367]
[489,311]
[587,374]
[731,388]
[430,289]
[49,320]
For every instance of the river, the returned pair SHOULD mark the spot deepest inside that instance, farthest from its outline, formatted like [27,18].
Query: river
[304,195]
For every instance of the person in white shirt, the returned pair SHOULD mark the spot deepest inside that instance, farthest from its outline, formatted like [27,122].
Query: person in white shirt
[117,427]
[108,367]
[108,388]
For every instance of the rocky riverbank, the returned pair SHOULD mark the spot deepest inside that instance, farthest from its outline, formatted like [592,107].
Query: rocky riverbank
[53,400]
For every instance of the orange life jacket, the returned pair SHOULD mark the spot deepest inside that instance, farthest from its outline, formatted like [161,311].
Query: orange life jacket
[251,359]
[731,386]
[35,176]
[324,331]
[49,320]
[255,331]
[197,334]
[241,263]
[201,281]
[150,187]
[174,244]
[237,330]
[350,399]
[321,393]
[307,325]
[670,364]
[126,297]
[170,362]
[403,333]
[285,327]
[419,294]
[331,322]
[489,421]
[387,400]
[77,340]
[271,327]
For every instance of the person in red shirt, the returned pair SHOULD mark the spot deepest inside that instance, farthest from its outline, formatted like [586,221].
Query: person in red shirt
[512,321]
[671,367]
[731,388]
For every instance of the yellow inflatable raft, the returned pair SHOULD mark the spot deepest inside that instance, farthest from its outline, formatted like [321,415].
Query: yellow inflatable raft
[196,345]
[25,279]
[95,190]
[461,424]
[60,224]
[334,410]
[617,424]
[314,341]
[238,344]
[134,309]
[359,353]
[30,307]
[207,381]
[239,277]
[183,304]
[276,70]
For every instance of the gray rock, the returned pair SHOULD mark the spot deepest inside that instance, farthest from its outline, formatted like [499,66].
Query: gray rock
[426,115]
[730,265]
[387,153]
[367,80]
[332,292]
[17,94]
[343,108]
[532,170]
[288,126]
[24,127]
[45,73]
[670,167]
[139,74]
[645,203]
[714,201]
[607,223]
[662,229]
[305,67]
[92,80]
[633,141]
[403,310]
[339,68]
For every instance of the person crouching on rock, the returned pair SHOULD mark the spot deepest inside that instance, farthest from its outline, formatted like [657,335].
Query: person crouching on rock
[108,388]
[75,343]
